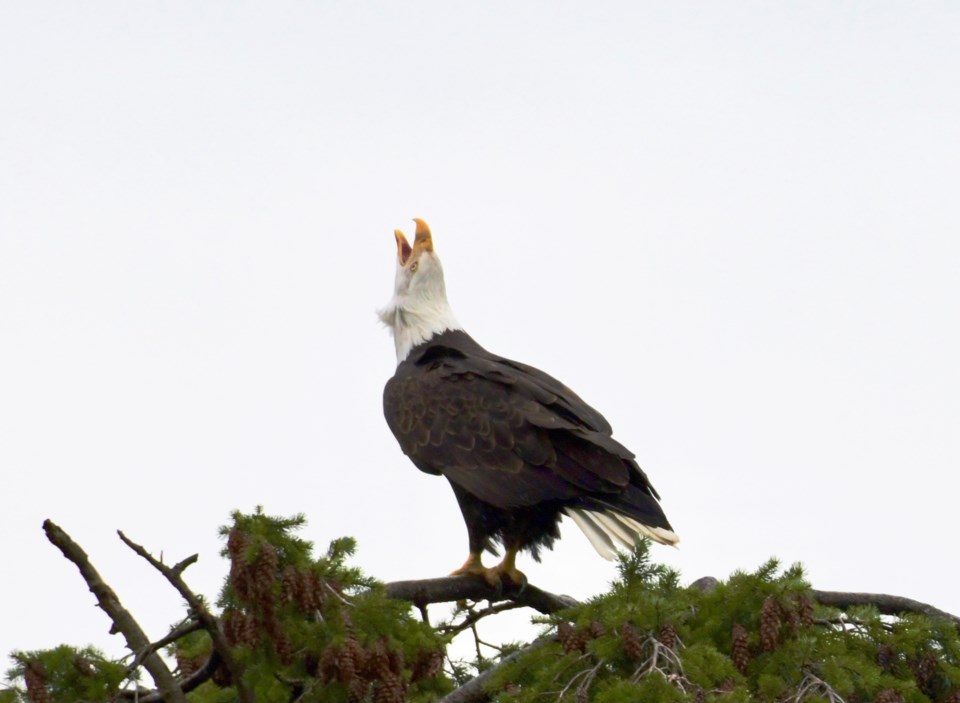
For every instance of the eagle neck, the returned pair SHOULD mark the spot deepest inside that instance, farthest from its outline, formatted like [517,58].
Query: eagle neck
[412,328]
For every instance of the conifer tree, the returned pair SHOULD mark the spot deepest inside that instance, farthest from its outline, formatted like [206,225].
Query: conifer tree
[293,626]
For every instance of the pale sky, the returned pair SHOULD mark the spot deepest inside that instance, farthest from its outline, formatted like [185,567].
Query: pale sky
[734,228]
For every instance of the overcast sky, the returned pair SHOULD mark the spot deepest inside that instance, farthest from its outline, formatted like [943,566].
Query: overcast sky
[734,228]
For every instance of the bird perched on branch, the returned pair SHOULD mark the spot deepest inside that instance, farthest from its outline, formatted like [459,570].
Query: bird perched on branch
[518,447]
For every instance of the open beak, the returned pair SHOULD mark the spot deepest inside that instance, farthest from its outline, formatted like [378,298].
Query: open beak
[403,247]
[422,241]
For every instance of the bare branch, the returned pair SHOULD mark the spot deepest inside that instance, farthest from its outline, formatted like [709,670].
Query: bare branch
[210,623]
[473,691]
[454,588]
[175,634]
[123,621]
[886,604]
[474,616]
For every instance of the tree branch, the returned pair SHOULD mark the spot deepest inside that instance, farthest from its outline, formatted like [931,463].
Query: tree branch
[475,616]
[185,629]
[209,622]
[123,621]
[474,690]
[454,588]
[886,604]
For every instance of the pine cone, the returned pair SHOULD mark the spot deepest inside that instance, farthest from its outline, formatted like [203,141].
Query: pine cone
[327,665]
[346,660]
[314,593]
[239,628]
[241,580]
[888,695]
[668,636]
[429,663]
[389,689]
[924,671]
[36,680]
[632,642]
[265,567]
[284,649]
[237,543]
[291,585]
[568,636]
[189,665]
[357,690]
[770,624]
[596,629]
[805,610]
[886,656]
[739,650]
[378,662]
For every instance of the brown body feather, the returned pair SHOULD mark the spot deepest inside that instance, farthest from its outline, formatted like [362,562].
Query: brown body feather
[517,446]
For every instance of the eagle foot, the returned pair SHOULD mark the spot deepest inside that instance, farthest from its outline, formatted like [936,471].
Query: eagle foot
[506,573]
[500,576]
[472,566]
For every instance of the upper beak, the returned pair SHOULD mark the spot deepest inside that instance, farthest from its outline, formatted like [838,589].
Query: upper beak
[403,247]
[423,240]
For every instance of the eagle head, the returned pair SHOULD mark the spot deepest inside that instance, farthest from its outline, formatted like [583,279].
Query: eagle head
[418,309]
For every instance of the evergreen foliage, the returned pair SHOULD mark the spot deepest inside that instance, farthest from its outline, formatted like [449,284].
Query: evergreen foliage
[303,627]
[315,628]
[756,637]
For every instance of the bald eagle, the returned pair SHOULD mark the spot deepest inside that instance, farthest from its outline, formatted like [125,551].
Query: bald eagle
[518,447]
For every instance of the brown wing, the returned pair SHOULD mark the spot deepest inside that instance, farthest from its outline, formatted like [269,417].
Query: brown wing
[508,436]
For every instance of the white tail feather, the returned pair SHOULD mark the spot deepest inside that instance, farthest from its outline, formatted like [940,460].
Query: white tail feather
[598,538]
[608,528]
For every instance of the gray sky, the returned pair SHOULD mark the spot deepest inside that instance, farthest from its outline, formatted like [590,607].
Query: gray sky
[733,228]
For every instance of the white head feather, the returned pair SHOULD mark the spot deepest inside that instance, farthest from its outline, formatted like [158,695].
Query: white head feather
[418,309]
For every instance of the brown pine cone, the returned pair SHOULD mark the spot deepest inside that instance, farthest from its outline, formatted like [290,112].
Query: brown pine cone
[237,543]
[378,661]
[924,671]
[36,680]
[668,636]
[569,638]
[327,665]
[739,649]
[389,689]
[888,695]
[189,665]
[357,690]
[632,642]
[265,567]
[314,592]
[291,585]
[805,610]
[886,656]
[349,660]
[596,629]
[770,624]
[429,663]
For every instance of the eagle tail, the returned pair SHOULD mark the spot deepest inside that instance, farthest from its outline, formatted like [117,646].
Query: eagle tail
[606,529]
